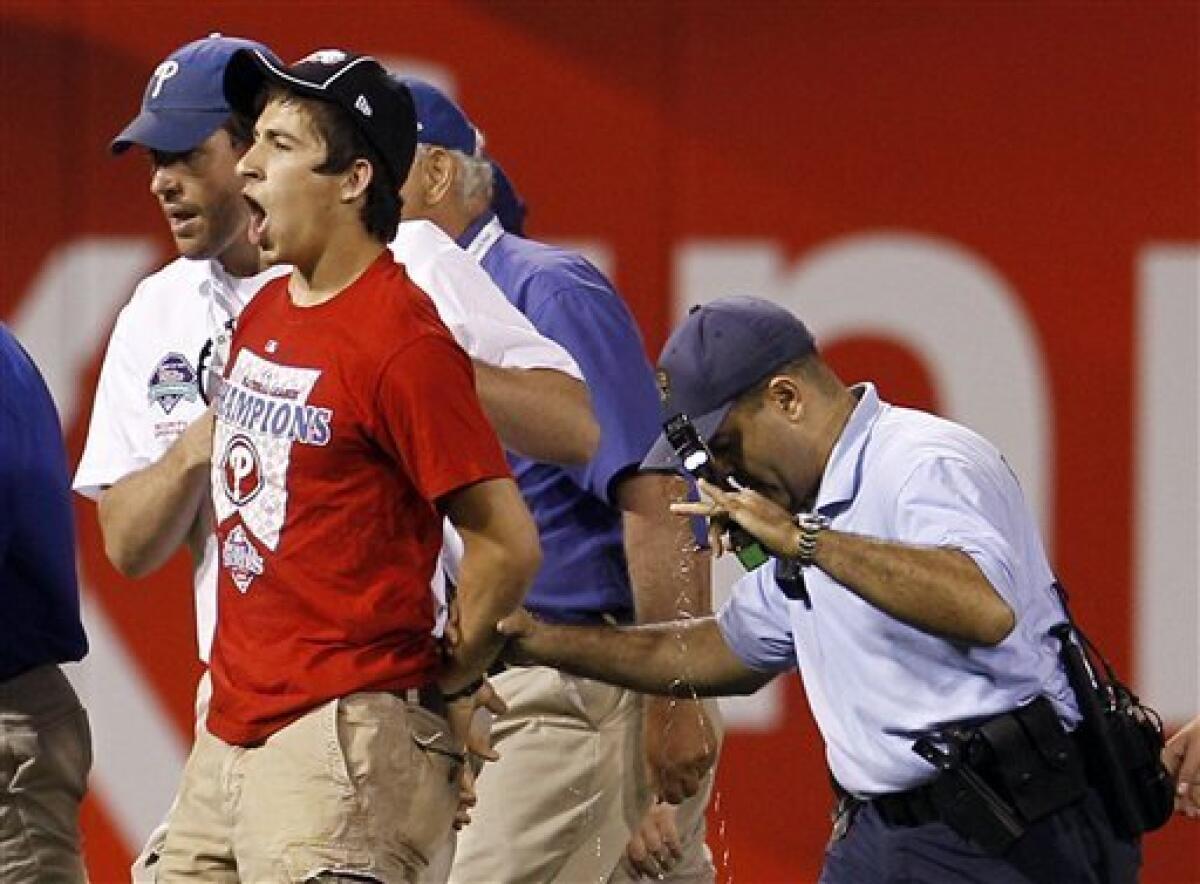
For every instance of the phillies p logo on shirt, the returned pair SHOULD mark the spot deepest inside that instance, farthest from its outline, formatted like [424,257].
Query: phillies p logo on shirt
[241,471]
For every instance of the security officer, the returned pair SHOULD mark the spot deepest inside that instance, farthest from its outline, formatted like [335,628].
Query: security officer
[909,586]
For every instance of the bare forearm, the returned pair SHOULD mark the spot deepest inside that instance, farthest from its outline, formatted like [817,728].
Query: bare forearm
[671,578]
[146,515]
[685,658]
[500,558]
[489,589]
[941,591]
[938,590]
[542,414]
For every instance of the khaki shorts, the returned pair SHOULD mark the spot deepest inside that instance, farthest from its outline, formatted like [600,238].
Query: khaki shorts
[365,787]
[569,787]
[45,756]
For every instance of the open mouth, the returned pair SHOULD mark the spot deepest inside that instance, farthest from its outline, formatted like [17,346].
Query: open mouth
[180,218]
[258,220]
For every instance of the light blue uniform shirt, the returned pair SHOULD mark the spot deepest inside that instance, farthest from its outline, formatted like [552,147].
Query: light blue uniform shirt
[874,683]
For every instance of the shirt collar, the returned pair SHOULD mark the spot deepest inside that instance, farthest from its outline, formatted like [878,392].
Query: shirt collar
[843,472]
[479,237]
[234,292]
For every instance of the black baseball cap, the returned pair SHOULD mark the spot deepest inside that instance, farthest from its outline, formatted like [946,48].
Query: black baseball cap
[719,352]
[380,106]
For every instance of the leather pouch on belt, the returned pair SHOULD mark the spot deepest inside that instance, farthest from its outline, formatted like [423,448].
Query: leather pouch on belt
[1031,758]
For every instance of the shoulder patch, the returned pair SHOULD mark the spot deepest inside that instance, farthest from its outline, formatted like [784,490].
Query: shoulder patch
[173,379]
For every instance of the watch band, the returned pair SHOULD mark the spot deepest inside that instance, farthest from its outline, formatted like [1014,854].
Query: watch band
[811,525]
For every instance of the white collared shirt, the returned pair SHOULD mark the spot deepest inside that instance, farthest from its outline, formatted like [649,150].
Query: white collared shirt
[175,329]
[876,684]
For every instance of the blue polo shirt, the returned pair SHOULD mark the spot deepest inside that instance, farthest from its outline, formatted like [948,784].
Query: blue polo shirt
[876,684]
[39,595]
[584,572]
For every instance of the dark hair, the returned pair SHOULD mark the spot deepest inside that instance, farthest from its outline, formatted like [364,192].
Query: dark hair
[240,128]
[811,367]
[345,143]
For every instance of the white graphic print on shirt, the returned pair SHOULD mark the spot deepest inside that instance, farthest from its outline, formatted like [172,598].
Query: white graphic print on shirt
[261,412]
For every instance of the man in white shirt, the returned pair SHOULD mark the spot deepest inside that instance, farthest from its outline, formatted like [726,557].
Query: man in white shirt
[146,461]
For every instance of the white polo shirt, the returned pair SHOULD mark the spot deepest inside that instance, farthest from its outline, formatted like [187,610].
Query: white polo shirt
[177,326]
[876,684]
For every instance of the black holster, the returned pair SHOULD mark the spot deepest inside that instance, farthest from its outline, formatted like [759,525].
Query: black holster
[1001,775]
[1122,742]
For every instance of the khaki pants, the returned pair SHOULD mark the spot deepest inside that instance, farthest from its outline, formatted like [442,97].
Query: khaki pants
[569,787]
[145,867]
[45,756]
[362,788]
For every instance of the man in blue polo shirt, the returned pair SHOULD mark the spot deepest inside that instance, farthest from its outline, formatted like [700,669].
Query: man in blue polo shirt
[45,744]
[570,785]
[920,627]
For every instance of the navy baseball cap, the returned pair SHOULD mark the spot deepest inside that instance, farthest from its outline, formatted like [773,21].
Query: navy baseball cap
[508,205]
[185,101]
[380,106]
[440,121]
[719,352]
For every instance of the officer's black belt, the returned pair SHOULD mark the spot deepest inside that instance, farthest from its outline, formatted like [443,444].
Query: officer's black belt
[913,807]
[1019,767]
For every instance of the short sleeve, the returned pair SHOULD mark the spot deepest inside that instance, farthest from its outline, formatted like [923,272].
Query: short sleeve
[431,419]
[118,441]
[596,328]
[756,623]
[967,505]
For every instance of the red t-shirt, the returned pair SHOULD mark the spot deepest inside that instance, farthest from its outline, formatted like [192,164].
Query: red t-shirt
[338,429]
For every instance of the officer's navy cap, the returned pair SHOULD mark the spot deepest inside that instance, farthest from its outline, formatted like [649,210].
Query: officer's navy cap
[440,121]
[380,106]
[719,352]
[185,102]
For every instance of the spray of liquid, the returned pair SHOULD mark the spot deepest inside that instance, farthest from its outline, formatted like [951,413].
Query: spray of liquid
[682,692]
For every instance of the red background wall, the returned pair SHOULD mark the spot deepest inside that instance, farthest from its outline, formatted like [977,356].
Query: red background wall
[1054,140]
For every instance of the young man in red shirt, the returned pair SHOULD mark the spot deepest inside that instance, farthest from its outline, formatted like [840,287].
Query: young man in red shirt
[346,427]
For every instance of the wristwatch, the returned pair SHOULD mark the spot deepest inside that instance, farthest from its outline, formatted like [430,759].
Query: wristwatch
[811,525]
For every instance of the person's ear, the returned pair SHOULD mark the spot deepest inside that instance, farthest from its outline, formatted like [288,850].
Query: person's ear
[440,173]
[783,394]
[356,179]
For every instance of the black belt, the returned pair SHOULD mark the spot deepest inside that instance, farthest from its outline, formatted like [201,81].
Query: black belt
[915,806]
[496,668]
[912,807]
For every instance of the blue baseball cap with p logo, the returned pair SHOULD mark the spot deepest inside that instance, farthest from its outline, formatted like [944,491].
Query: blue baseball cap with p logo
[184,102]
[721,350]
